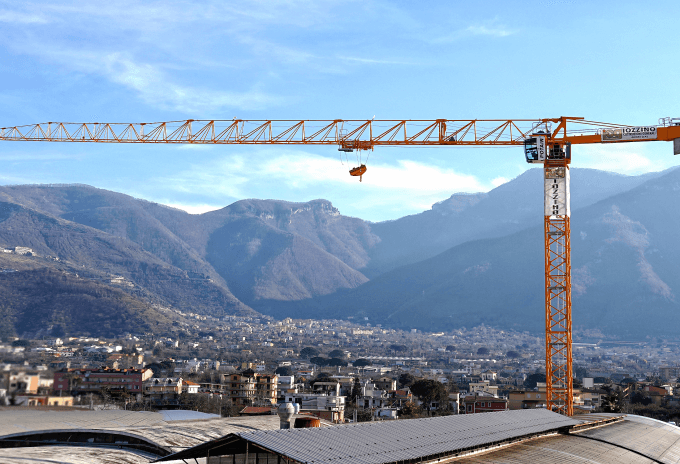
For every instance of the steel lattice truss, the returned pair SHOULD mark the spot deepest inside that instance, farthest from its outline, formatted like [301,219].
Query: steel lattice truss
[559,385]
[355,133]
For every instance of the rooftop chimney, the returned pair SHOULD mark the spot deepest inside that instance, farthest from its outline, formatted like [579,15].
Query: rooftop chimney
[285,412]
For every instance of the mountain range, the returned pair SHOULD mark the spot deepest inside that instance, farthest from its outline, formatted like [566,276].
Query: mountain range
[471,259]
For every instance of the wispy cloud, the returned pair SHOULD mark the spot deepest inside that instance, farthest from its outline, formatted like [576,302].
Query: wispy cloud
[157,89]
[192,209]
[28,155]
[372,61]
[156,57]
[496,31]
[491,28]
[499,181]
[629,160]
[402,188]
[21,17]
[153,85]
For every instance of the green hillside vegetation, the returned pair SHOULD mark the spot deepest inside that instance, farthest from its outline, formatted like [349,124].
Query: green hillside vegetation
[53,303]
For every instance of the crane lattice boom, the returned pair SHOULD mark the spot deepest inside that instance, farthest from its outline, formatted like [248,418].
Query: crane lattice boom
[355,134]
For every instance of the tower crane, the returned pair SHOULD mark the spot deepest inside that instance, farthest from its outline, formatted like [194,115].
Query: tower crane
[545,141]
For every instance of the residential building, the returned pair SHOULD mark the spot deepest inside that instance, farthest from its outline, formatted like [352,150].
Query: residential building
[482,402]
[328,407]
[331,387]
[520,399]
[483,387]
[116,381]
[250,389]
[24,382]
[669,372]
[532,399]
[163,389]
[385,383]
[43,400]
[286,384]
[190,387]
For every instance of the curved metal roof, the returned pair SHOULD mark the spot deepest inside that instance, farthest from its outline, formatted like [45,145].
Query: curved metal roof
[391,441]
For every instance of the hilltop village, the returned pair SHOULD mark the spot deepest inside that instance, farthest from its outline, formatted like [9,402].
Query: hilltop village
[338,370]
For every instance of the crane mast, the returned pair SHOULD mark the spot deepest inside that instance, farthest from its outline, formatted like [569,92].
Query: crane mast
[542,145]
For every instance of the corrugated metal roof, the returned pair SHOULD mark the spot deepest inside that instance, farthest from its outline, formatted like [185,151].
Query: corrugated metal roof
[381,442]
[70,455]
[563,449]
[172,434]
[649,437]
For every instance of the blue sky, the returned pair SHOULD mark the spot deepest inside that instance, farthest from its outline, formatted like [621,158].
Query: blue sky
[163,60]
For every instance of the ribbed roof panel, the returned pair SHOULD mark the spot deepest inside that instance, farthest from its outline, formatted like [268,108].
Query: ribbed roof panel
[383,442]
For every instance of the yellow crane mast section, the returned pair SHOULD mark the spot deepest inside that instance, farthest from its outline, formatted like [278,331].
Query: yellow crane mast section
[349,134]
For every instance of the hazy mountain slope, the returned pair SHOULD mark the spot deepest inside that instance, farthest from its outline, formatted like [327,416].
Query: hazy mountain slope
[508,208]
[93,251]
[261,261]
[118,215]
[346,238]
[625,275]
[52,303]
[324,248]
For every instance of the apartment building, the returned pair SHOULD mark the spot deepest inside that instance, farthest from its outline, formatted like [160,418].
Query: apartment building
[249,388]
[115,381]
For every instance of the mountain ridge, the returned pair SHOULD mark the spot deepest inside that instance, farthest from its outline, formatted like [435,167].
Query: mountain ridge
[305,259]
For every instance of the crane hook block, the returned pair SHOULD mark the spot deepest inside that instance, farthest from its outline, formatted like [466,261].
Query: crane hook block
[358,171]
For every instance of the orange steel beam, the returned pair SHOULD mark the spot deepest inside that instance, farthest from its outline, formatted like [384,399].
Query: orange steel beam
[558,342]
[355,133]
[361,134]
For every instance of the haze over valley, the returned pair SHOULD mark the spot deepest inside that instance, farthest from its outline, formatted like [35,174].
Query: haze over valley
[472,259]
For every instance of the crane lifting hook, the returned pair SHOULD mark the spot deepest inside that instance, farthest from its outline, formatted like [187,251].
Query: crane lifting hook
[358,171]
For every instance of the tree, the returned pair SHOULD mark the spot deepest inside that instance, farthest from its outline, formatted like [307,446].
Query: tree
[309,352]
[356,390]
[430,391]
[323,376]
[363,415]
[512,354]
[406,379]
[398,347]
[362,363]
[580,372]
[639,397]
[319,361]
[612,401]
[58,331]
[24,343]
[337,362]
[533,379]
[450,348]
[483,350]
[410,410]
[284,370]
[336,354]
